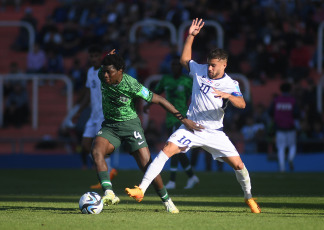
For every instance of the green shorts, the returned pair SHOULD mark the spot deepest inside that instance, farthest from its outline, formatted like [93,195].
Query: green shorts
[129,133]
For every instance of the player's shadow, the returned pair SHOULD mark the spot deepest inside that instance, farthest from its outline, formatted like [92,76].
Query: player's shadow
[47,209]
[40,199]
[132,206]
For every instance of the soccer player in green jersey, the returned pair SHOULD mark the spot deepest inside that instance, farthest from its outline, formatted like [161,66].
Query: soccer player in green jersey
[122,125]
[177,88]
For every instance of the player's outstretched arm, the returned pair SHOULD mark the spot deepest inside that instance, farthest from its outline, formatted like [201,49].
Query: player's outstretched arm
[194,29]
[157,99]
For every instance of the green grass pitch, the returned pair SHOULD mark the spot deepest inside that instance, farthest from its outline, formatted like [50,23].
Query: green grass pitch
[48,199]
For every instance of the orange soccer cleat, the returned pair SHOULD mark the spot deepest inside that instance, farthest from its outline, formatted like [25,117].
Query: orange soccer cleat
[253,205]
[136,193]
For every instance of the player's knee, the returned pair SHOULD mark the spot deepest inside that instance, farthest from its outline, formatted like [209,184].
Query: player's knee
[238,166]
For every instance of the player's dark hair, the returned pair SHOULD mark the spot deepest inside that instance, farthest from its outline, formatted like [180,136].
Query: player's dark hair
[94,49]
[115,60]
[217,54]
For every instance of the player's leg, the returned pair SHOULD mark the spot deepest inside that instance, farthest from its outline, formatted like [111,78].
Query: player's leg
[102,147]
[111,171]
[173,164]
[85,150]
[173,172]
[281,146]
[185,163]
[220,146]
[194,156]
[143,159]
[243,177]
[157,165]
[90,131]
[292,149]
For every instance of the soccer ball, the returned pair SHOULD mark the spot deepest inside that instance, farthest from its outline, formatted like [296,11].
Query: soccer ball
[90,203]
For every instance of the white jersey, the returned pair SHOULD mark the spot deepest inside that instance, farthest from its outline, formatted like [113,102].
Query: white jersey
[93,83]
[205,109]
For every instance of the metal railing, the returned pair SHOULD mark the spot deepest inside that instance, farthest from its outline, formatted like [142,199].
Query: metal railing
[319,66]
[35,78]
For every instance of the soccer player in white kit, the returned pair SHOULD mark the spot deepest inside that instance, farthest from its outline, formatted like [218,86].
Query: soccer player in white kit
[211,86]
[96,118]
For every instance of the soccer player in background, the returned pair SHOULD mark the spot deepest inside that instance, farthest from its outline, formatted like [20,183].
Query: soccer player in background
[212,90]
[285,115]
[177,88]
[122,125]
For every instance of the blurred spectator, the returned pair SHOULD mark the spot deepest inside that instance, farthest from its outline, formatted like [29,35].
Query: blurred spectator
[22,41]
[285,114]
[299,61]
[177,13]
[165,66]
[16,110]
[77,75]
[49,36]
[71,39]
[89,24]
[5,3]
[54,62]
[36,60]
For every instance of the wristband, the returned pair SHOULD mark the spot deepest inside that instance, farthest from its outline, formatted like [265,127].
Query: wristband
[179,116]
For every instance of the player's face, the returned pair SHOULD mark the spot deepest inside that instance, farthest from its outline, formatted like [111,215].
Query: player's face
[95,60]
[216,68]
[111,75]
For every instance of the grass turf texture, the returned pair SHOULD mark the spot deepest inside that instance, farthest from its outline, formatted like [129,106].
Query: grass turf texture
[48,199]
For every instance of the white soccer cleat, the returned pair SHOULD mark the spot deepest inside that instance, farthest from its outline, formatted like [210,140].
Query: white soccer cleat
[170,185]
[110,198]
[170,207]
[191,182]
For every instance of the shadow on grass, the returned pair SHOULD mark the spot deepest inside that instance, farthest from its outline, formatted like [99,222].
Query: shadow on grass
[47,209]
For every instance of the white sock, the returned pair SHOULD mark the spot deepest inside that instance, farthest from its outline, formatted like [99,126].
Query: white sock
[281,159]
[292,153]
[243,178]
[153,170]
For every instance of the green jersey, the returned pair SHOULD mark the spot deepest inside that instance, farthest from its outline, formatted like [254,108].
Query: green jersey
[178,91]
[118,101]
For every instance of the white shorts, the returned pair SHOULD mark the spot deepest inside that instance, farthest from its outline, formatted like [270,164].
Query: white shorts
[285,138]
[91,128]
[213,141]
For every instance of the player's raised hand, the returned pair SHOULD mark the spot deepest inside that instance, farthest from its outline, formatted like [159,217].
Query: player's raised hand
[196,26]
[112,52]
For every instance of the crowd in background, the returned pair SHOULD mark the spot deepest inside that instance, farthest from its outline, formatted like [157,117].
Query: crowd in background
[266,39]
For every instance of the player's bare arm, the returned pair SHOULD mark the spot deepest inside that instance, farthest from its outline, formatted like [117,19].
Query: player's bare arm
[237,101]
[190,125]
[194,29]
